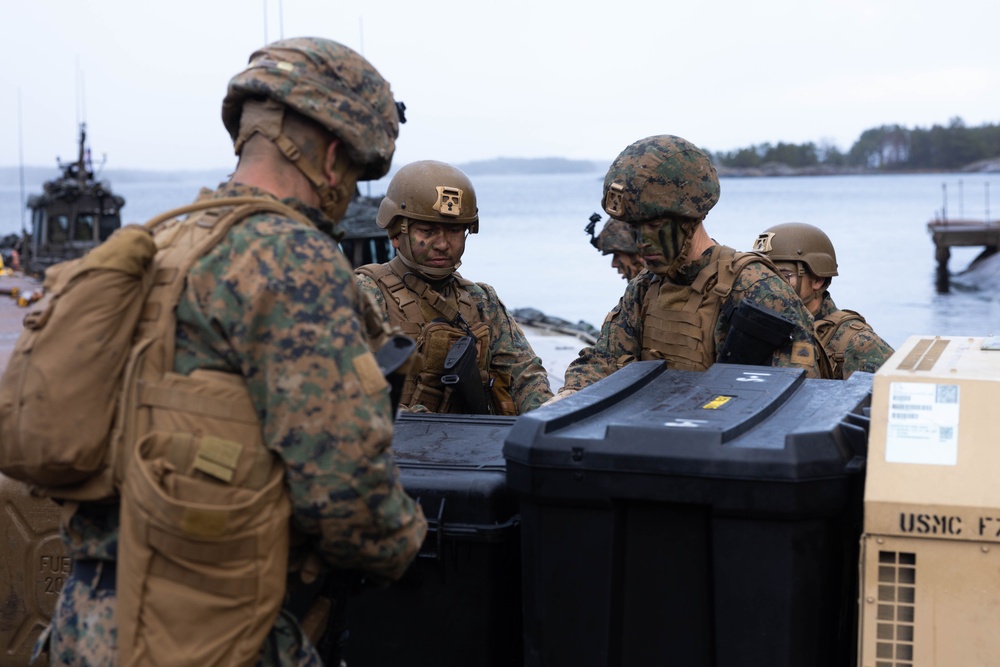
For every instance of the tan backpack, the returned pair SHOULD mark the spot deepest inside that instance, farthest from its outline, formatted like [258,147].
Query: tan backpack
[59,390]
[204,516]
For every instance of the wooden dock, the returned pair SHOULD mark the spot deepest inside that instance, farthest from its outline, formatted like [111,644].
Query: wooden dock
[952,233]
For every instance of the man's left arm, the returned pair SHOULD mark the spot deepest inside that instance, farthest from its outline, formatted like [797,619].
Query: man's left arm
[511,358]
[762,286]
[866,351]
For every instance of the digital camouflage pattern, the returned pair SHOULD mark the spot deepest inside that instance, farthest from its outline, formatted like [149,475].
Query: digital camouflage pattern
[276,302]
[329,83]
[617,236]
[662,176]
[620,341]
[618,240]
[853,346]
[83,629]
[84,632]
[509,353]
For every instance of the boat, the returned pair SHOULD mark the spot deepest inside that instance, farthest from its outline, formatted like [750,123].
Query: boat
[74,213]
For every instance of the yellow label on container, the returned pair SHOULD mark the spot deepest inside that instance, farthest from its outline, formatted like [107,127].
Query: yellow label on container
[716,402]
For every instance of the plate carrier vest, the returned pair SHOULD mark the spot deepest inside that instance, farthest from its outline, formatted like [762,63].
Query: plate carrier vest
[678,321]
[416,310]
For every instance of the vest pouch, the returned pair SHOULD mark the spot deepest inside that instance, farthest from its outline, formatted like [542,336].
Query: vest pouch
[436,340]
[204,576]
[429,397]
[503,402]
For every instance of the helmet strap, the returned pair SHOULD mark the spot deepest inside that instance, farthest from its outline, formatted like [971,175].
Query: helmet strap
[805,290]
[681,259]
[266,117]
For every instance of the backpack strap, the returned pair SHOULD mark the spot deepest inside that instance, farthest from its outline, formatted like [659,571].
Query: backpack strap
[828,326]
[391,284]
[732,264]
[180,247]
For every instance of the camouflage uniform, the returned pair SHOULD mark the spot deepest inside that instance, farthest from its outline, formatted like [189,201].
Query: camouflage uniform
[851,346]
[510,355]
[678,309]
[618,239]
[808,260]
[275,302]
[428,212]
[621,336]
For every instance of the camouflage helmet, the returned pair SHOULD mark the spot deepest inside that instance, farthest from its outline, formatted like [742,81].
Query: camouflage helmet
[661,176]
[428,191]
[617,236]
[329,83]
[799,242]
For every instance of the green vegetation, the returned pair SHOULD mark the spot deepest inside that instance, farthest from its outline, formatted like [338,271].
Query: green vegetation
[885,148]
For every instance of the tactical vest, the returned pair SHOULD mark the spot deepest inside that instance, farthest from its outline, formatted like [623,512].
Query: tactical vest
[418,311]
[678,321]
[203,543]
[835,349]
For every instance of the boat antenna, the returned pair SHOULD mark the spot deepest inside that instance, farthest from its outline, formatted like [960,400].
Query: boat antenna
[361,35]
[281,21]
[81,98]
[20,156]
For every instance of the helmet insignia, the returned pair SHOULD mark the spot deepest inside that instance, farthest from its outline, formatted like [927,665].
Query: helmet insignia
[614,203]
[763,242]
[449,201]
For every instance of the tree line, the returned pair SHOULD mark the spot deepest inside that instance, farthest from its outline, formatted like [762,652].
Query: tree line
[885,148]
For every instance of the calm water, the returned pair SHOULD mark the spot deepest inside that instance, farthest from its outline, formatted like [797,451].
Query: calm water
[532,247]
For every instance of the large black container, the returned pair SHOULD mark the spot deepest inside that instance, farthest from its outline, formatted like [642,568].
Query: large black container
[682,518]
[460,602]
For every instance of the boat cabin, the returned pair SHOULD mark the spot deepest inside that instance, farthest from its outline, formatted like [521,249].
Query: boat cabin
[74,213]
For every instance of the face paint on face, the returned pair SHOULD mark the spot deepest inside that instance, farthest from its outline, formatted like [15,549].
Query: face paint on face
[435,245]
[661,243]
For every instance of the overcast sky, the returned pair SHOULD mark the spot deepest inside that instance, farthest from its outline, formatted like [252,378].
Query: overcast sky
[573,78]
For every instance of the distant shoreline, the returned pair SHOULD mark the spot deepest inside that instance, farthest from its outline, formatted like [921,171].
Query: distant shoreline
[11,176]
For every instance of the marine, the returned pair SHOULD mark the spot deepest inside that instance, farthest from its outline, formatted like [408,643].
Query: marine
[807,260]
[428,212]
[618,240]
[695,293]
[269,316]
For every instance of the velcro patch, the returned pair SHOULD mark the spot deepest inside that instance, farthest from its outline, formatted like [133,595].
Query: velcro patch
[218,457]
[372,380]
[802,351]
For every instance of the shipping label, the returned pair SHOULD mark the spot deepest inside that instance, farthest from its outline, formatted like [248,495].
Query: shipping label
[923,423]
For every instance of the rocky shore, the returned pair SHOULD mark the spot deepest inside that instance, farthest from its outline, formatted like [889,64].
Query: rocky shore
[991,166]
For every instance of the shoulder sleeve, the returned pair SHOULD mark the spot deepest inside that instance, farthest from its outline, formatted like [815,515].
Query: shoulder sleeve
[762,286]
[620,340]
[512,360]
[866,351]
